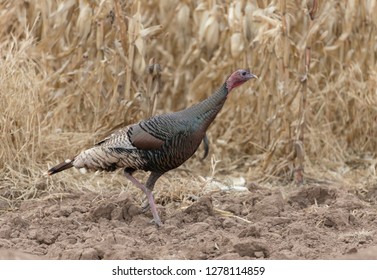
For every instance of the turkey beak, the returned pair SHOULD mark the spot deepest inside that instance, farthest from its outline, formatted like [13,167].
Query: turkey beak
[252,76]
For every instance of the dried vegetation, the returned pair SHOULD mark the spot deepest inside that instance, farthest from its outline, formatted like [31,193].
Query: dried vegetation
[72,71]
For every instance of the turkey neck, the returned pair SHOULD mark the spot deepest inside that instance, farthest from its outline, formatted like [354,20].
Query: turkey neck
[203,113]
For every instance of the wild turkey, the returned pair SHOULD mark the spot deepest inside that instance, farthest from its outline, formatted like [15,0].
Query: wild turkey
[158,144]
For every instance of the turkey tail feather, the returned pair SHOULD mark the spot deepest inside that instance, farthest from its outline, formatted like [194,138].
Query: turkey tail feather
[60,167]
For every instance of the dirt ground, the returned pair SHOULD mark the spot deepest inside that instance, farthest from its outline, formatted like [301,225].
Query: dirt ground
[309,222]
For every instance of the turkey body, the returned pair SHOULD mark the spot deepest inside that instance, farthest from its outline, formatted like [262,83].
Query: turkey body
[158,144]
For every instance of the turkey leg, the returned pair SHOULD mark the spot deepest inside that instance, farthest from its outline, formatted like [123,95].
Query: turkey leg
[148,192]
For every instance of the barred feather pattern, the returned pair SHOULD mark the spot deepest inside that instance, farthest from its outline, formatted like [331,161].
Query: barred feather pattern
[114,152]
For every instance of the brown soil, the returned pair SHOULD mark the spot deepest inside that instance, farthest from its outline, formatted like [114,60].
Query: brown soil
[310,222]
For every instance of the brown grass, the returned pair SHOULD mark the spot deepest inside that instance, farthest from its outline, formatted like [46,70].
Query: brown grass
[72,71]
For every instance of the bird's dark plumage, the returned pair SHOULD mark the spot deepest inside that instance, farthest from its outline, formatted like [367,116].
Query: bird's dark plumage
[158,144]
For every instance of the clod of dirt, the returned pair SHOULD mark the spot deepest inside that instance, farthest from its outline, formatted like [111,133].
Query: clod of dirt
[129,210]
[198,228]
[251,230]
[43,236]
[296,228]
[117,214]
[271,205]
[353,250]
[336,218]
[348,201]
[90,254]
[252,248]
[102,211]
[121,210]
[65,211]
[200,210]
[363,254]
[19,223]
[229,223]
[310,195]
[5,232]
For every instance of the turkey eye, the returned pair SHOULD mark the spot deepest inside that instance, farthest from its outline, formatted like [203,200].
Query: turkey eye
[243,73]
